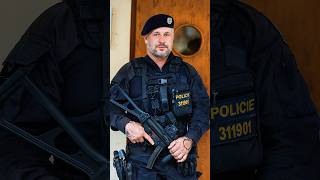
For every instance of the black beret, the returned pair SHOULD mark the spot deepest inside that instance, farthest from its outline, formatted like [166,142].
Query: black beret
[156,21]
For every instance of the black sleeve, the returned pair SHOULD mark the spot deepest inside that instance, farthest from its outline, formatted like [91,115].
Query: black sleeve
[201,104]
[35,48]
[118,119]
[289,120]
[23,108]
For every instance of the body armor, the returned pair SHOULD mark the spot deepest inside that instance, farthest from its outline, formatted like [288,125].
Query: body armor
[235,124]
[167,95]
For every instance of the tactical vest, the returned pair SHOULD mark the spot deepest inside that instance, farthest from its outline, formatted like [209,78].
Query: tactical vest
[234,119]
[166,96]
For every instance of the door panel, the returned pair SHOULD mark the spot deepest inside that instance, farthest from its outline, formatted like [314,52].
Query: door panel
[184,12]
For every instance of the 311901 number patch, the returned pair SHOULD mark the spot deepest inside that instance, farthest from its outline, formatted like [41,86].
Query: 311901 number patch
[235,130]
[234,119]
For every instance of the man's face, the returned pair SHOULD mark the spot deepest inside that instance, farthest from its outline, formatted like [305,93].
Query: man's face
[160,41]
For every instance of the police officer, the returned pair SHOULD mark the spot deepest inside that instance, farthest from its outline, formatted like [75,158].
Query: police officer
[64,47]
[161,84]
[264,123]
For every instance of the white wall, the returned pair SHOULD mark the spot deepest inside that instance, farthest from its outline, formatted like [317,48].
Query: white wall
[15,18]
[119,55]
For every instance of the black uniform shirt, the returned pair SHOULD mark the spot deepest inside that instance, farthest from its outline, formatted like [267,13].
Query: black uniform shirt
[200,101]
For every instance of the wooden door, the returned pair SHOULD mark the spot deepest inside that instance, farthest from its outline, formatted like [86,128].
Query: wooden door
[299,23]
[184,12]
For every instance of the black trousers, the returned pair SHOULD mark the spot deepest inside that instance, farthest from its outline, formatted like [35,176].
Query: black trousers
[139,156]
[158,172]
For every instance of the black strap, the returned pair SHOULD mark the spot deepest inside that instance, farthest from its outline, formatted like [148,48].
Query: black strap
[87,159]
[140,69]
[174,66]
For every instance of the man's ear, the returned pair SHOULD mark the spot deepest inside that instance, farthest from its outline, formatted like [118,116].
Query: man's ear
[145,38]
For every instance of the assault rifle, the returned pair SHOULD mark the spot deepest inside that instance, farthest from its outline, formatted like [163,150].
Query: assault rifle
[161,136]
[87,159]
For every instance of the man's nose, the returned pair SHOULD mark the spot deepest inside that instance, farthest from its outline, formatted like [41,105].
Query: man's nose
[161,38]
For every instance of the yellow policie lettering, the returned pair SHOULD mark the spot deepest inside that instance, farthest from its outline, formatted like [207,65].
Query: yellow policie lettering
[233,109]
[183,103]
[182,96]
[235,131]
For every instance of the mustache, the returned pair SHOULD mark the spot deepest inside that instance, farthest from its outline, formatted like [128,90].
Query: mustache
[162,44]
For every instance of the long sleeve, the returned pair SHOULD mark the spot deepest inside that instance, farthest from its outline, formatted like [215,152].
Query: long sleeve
[118,119]
[200,101]
[289,120]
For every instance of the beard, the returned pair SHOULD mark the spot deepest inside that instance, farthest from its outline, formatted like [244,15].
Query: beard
[159,54]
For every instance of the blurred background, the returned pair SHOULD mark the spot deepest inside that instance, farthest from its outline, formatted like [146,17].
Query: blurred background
[298,21]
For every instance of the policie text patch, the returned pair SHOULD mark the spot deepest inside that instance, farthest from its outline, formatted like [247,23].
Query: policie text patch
[234,119]
[182,103]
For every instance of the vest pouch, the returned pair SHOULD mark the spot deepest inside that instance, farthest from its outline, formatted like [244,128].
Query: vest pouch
[234,123]
[181,101]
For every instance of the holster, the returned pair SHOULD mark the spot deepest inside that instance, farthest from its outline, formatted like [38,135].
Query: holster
[120,163]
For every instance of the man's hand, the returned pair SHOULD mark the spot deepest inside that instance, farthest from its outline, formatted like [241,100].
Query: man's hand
[180,148]
[136,134]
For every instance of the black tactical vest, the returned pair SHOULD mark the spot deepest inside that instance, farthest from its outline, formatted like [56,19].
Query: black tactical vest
[167,96]
[235,131]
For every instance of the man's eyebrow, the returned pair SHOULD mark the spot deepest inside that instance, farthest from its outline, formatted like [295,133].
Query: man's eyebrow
[166,32]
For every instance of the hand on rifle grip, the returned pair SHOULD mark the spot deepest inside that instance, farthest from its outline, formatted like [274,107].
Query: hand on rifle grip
[136,133]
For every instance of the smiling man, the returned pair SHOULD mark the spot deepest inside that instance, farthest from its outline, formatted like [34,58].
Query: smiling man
[168,88]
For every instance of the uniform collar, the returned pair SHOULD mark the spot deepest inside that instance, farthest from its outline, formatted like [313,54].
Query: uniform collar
[172,59]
